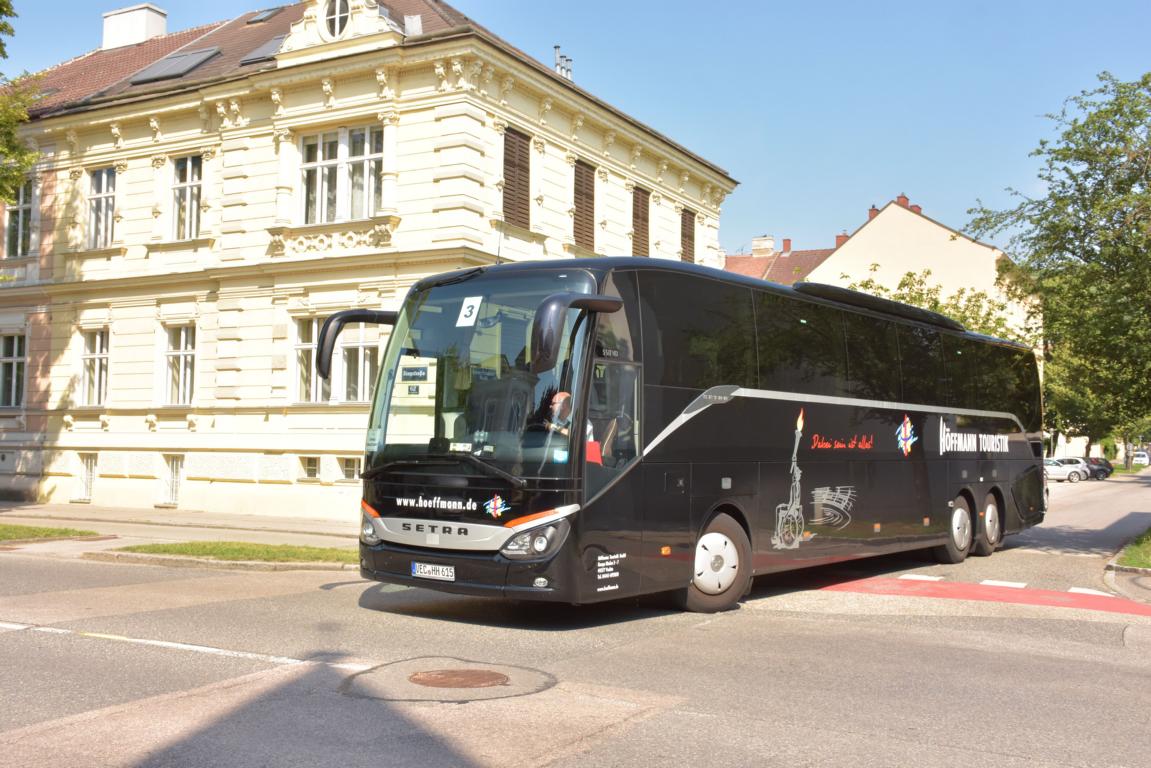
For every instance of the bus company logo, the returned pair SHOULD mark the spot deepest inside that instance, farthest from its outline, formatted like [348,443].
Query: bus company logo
[905,436]
[970,442]
[496,506]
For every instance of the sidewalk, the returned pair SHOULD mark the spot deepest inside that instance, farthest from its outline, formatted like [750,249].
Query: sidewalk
[127,526]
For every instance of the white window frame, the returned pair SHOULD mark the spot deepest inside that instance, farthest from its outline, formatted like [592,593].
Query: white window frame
[13,370]
[88,465]
[335,12]
[334,177]
[19,221]
[173,479]
[355,463]
[179,364]
[354,347]
[101,207]
[319,390]
[187,192]
[94,365]
[304,462]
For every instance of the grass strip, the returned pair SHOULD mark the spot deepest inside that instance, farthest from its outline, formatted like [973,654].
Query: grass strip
[1138,552]
[24,532]
[239,551]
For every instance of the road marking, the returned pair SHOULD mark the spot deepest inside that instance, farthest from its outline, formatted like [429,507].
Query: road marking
[880,585]
[204,649]
[920,577]
[1085,591]
[996,583]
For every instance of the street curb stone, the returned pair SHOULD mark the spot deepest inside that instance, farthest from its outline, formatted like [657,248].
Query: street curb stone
[176,561]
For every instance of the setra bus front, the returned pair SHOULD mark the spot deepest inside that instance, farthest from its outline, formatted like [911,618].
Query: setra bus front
[471,480]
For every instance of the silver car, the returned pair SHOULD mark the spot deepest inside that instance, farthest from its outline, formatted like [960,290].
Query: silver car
[1056,471]
[1081,466]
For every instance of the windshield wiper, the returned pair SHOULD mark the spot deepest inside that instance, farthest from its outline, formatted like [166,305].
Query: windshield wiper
[439,459]
[452,279]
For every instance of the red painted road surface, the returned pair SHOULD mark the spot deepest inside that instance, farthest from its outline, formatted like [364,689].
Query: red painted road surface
[992,594]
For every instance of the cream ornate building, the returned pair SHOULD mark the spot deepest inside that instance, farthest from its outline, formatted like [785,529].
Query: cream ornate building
[205,198]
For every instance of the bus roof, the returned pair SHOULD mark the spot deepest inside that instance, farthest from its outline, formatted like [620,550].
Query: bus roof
[819,293]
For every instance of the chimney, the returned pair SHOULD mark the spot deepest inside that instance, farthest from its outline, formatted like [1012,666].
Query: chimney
[763,245]
[917,208]
[129,26]
[841,238]
[787,245]
[902,200]
[872,212]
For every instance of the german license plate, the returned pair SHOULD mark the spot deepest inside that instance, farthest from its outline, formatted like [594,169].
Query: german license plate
[431,571]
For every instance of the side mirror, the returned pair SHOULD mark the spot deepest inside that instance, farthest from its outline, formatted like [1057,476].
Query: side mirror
[548,326]
[334,324]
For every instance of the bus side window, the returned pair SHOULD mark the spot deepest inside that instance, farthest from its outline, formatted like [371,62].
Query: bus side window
[801,346]
[872,352]
[697,333]
[617,333]
[920,364]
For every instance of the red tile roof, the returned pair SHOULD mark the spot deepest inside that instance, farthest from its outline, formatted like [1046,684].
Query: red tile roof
[778,267]
[796,266]
[86,76]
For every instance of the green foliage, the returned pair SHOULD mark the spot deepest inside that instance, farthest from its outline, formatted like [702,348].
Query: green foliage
[1084,249]
[976,310]
[241,551]
[26,532]
[17,95]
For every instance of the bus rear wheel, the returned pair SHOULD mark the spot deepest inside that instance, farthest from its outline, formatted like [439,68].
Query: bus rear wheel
[990,534]
[959,534]
[722,570]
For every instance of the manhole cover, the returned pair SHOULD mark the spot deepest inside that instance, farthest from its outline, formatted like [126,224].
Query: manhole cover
[445,679]
[459,678]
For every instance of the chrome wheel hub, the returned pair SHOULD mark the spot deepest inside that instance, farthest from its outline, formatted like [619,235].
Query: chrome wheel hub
[991,523]
[960,528]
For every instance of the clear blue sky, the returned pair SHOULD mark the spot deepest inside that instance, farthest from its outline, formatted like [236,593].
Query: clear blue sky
[819,109]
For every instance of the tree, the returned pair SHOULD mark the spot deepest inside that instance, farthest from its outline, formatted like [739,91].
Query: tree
[1084,248]
[976,310]
[17,96]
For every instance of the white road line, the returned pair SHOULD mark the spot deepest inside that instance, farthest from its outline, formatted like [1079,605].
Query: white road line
[1012,584]
[205,649]
[920,577]
[1085,591]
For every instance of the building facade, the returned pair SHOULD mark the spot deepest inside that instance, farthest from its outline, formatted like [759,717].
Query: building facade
[204,199]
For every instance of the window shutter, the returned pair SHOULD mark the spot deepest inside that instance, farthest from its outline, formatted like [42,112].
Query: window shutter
[640,206]
[517,179]
[583,224]
[687,235]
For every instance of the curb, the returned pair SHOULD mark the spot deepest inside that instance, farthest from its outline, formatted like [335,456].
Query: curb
[177,524]
[96,537]
[177,561]
[1113,566]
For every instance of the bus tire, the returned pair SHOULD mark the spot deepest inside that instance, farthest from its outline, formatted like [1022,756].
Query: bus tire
[721,573]
[959,533]
[990,534]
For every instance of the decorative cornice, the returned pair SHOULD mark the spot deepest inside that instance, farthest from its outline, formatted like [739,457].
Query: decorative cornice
[121,166]
[577,123]
[500,125]
[117,135]
[154,126]
[159,161]
[506,86]
[375,232]
[539,144]
[277,97]
[545,107]
[636,154]
[389,116]
[329,92]
[608,140]
[76,174]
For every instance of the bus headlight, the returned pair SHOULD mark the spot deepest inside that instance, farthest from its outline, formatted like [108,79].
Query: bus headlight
[368,532]
[536,544]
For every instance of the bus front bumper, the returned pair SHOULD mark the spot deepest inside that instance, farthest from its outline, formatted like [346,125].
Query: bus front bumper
[487,574]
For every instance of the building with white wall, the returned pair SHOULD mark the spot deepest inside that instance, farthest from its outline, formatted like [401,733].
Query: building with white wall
[206,197]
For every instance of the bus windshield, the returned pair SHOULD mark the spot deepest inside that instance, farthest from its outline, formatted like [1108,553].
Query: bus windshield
[457,387]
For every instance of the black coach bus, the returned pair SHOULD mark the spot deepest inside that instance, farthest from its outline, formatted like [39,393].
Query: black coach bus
[592,429]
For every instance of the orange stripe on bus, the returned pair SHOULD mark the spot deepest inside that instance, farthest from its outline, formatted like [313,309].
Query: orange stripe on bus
[528,518]
[368,509]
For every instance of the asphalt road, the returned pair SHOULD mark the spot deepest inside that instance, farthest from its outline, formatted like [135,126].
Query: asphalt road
[119,665]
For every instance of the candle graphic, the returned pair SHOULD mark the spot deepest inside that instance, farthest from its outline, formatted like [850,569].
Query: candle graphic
[789,523]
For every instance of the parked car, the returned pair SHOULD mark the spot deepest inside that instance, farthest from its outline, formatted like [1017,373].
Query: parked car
[1079,465]
[1056,471]
[1101,469]
[1140,458]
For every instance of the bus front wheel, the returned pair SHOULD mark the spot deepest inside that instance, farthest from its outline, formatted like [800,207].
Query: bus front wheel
[959,534]
[990,534]
[722,568]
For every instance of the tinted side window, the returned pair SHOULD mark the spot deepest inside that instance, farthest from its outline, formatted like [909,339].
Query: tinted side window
[872,358]
[969,367]
[697,333]
[617,333]
[1014,381]
[920,364]
[801,346]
